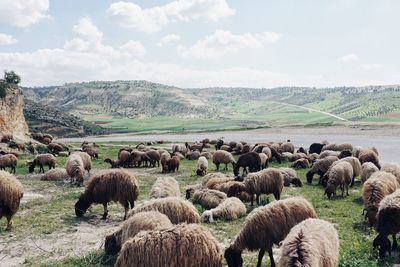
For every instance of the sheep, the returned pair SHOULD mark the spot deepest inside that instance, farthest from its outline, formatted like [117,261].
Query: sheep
[42,160]
[312,157]
[297,156]
[202,166]
[215,182]
[143,221]
[137,157]
[328,153]
[320,167]
[210,176]
[367,169]
[165,187]
[393,168]
[124,158]
[355,163]
[113,163]
[290,177]
[313,242]
[76,165]
[251,160]
[301,164]
[180,149]
[229,209]
[287,156]
[388,218]
[8,160]
[223,157]
[173,164]
[264,160]
[266,226]
[287,147]
[262,182]
[11,192]
[110,185]
[163,160]
[219,144]
[206,154]
[56,174]
[316,148]
[188,245]
[379,185]
[341,174]
[301,150]
[91,152]
[177,209]
[369,155]
[155,157]
[193,155]
[207,198]
[193,147]
[338,147]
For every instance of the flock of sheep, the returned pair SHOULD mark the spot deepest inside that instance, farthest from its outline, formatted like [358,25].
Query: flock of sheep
[165,230]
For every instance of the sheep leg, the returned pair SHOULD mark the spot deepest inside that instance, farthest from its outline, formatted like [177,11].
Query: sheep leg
[126,206]
[9,223]
[217,165]
[394,246]
[271,257]
[260,257]
[347,189]
[352,181]
[105,211]
[13,169]
[258,200]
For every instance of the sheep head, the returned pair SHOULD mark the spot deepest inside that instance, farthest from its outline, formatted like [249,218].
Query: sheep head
[110,245]
[200,172]
[330,190]
[233,257]
[207,216]
[189,193]
[382,242]
[309,176]
[81,205]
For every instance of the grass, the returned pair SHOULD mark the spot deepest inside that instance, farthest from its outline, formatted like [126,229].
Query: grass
[43,218]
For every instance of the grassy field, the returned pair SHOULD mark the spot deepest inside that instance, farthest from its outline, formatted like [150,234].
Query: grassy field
[51,219]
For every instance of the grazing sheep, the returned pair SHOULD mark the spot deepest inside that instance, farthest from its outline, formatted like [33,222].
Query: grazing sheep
[215,182]
[369,155]
[287,147]
[301,164]
[263,182]
[313,242]
[328,153]
[193,147]
[393,168]
[338,147]
[264,160]
[367,169]
[287,156]
[388,223]
[177,209]
[11,192]
[42,160]
[91,152]
[8,160]
[56,174]
[206,154]
[189,245]
[76,165]
[229,209]
[344,154]
[252,160]
[110,185]
[320,167]
[155,157]
[312,157]
[165,156]
[355,163]
[290,177]
[142,221]
[316,148]
[267,151]
[340,174]
[266,226]
[180,149]
[210,176]
[202,166]
[113,163]
[297,156]
[124,158]
[165,187]
[173,164]
[223,157]
[379,185]
[137,157]
[219,144]
[207,198]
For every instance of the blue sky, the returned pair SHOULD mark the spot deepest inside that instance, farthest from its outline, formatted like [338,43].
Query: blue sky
[199,43]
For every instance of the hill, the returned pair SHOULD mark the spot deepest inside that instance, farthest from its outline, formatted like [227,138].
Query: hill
[141,106]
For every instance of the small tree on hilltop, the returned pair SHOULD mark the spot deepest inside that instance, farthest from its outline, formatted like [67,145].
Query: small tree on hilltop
[11,77]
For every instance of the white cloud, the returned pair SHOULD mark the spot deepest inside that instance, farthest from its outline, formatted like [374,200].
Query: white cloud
[87,30]
[371,66]
[23,13]
[130,15]
[167,39]
[133,48]
[77,44]
[6,39]
[348,58]
[224,42]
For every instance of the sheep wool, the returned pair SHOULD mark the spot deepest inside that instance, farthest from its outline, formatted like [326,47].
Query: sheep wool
[202,166]
[229,209]
[223,157]
[165,187]
[209,176]
[367,169]
[177,209]
[313,242]
[340,174]
[11,192]
[192,245]
[208,198]
[142,221]
[393,168]
[57,174]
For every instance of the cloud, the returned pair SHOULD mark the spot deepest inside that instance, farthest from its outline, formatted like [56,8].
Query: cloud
[87,30]
[133,48]
[77,44]
[149,20]
[23,13]
[348,58]
[167,39]
[371,66]
[224,42]
[6,39]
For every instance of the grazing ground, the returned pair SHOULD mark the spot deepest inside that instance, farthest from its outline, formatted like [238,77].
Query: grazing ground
[47,233]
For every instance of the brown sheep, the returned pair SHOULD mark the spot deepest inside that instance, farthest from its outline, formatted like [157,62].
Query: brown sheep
[266,226]
[113,163]
[155,157]
[11,193]
[42,160]
[8,160]
[165,187]
[124,158]
[369,155]
[173,164]
[76,165]
[301,164]
[106,186]
[207,198]
[142,221]
[56,174]
[165,156]
[223,157]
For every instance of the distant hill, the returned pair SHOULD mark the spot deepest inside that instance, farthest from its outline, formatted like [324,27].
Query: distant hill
[141,106]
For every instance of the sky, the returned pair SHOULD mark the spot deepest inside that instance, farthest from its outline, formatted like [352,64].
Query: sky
[203,43]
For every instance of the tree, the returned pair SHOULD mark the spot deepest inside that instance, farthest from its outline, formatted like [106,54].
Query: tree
[11,77]
[3,88]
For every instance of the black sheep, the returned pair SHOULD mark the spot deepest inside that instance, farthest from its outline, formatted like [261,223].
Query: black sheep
[316,148]
[251,160]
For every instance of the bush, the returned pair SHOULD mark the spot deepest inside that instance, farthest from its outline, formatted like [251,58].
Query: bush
[3,89]
[41,149]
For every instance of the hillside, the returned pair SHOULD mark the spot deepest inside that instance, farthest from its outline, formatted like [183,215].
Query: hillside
[141,106]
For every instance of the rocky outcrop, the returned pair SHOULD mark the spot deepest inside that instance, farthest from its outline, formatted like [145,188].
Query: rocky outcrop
[12,120]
